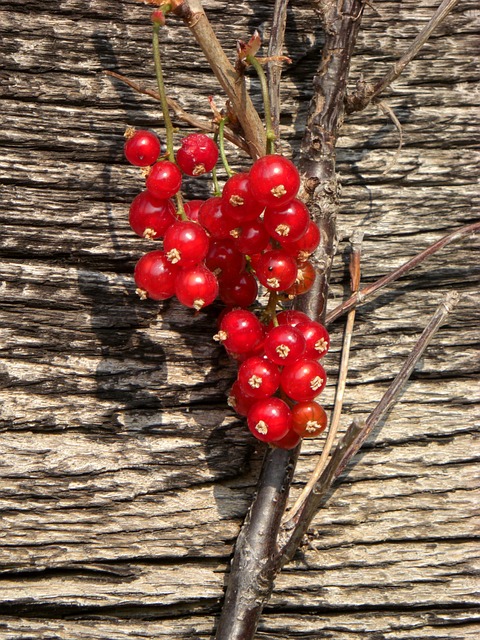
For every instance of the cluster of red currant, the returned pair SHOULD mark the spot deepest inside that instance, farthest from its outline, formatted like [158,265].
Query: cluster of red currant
[256,232]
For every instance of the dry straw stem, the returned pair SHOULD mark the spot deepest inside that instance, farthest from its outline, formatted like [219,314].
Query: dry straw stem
[274,68]
[357,434]
[192,13]
[367,92]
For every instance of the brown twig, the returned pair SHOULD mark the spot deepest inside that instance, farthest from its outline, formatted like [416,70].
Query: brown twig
[368,92]
[356,242]
[367,292]
[192,13]
[197,123]
[274,68]
[356,436]
[389,112]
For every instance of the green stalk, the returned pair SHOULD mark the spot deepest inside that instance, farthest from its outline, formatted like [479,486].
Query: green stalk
[216,187]
[266,103]
[221,145]
[161,92]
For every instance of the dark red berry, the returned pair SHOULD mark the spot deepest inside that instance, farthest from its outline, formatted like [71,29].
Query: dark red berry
[287,223]
[276,270]
[303,380]
[142,148]
[224,259]
[251,238]
[240,401]
[196,287]
[274,180]
[239,291]
[192,207]
[198,154]
[214,220]
[283,345]
[155,276]
[291,317]
[316,338]
[290,441]
[164,179]
[270,419]
[240,331]
[185,243]
[304,281]
[237,200]
[150,217]
[309,419]
[259,377]
[301,249]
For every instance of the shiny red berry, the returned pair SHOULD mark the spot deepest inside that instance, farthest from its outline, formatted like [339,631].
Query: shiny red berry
[274,180]
[303,380]
[185,243]
[155,276]
[302,248]
[164,179]
[214,220]
[192,207]
[150,217]
[142,148]
[309,419]
[251,237]
[306,275]
[287,223]
[239,291]
[240,331]
[197,155]
[237,200]
[316,338]
[292,317]
[224,259]
[196,287]
[284,345]
[259,377]
[289,441]
[270,419]
[276,270]
[240,401]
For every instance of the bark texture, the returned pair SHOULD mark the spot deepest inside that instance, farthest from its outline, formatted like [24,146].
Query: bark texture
[124,476]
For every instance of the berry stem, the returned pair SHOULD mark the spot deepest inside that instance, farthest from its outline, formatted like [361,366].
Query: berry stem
[271,308]
[161,92]
[266,103]
[221,146]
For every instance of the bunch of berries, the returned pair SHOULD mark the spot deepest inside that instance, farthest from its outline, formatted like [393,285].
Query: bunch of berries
[256,232]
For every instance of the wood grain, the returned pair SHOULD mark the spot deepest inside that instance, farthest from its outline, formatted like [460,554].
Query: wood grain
[124,476]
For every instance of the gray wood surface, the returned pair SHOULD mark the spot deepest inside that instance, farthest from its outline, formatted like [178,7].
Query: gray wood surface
[124,477]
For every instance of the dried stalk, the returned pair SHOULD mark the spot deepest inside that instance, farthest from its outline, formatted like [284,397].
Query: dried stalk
[356,436]
[367,292]
[367,92]
[274,68]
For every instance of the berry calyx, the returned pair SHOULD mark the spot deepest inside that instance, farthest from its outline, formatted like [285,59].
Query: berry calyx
[303,380]
[197,155]
[274,180]
[150,217]
[196,287]
[142,148]
[185,243]
[155,276]
[164,179]
[308,419]
[269,419]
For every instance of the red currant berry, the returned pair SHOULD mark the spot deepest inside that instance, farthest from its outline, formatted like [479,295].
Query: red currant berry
[316,338]
[185,243]
[283,345]
[259,377]
[291,317]
[240,331]
[197,155]
[192,208]
[302,248]
[239,291]
[224,259]
[155,276]
[290,441]
[274,180]
[303,380]
[304,282]
[196,287]
[309,419]
[214,220]
[251,238]
[287,223]
[239,401]
[237,201]
[142,148]
[164,179]
[276,270]
[270,419]
[150,217]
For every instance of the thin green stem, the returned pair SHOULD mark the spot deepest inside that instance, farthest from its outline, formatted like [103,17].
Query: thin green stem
[221,145]
[216,187]
[266,103]
[161,92]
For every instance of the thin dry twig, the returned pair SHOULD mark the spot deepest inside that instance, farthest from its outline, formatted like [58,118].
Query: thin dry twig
[355,271]
[274,68]
[356,435]
[197,123]
[390,113]
[368,92]
[367,292]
